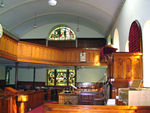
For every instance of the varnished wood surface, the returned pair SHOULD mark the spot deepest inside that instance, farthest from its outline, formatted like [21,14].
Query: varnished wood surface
[7,104]
[35,53]
[82,43]
[35,98]
[56,108]
[45,55]
[127,66]
[8,47]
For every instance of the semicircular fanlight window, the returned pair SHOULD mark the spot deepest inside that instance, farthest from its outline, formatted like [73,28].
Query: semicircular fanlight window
[62,32]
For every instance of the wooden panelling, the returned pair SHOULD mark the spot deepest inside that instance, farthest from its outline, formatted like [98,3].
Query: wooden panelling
[28,52]
[8,104]
[35,98]
[8,47]
[28,85]
[2,84]
[127,66]
[35,53]
[82,43]
[57,108]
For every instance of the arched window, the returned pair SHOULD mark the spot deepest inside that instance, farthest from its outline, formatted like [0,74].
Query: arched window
[116,40]
[135,37]
[62,32]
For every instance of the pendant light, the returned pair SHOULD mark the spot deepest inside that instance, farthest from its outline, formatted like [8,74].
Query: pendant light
[2,3]
[34,21]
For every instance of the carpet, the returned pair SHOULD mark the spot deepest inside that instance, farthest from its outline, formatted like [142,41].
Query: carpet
[40,108]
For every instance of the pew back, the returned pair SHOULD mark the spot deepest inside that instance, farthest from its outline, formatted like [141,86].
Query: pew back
[57,108]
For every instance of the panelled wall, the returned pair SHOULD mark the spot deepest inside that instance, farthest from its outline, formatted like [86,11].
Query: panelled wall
[8,47]
[29,52]
[127,66]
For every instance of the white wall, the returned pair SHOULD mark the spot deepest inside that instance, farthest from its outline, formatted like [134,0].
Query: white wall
[2,72]
[25,74]
[12,76]
[133,10]
[85,32]
[85,74]
[90,74]
[41,75]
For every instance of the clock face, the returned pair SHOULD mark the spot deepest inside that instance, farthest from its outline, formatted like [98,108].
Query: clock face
[1,30]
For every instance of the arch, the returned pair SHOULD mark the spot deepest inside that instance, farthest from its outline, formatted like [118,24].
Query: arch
[127,46]
[135,37]
[61,32]
[146,59]
[116,40]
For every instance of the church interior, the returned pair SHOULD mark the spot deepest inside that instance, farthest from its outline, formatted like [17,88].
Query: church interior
[74,56]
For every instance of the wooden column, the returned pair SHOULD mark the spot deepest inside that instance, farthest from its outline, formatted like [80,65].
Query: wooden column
[75,75]
[67,77]
[46,42]
[16,75]
[34,71]
[76,43]
[55,73]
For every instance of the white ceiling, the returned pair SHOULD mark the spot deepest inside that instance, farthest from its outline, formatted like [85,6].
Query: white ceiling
[18,16]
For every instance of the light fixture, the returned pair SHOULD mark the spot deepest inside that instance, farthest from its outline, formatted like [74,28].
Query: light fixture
[34,21]
[52,2]
[2,3]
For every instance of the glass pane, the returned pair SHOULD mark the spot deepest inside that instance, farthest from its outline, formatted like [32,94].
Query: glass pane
[61,77]
[62,33]
[72,77]
[51,77]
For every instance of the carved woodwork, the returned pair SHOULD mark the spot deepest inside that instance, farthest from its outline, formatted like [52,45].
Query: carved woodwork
[124,67]
[35,53]
[8,47]
[127,66]
[70,98]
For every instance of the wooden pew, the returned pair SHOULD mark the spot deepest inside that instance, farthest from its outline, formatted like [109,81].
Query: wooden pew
[8,104]
[57,108]
[35,98]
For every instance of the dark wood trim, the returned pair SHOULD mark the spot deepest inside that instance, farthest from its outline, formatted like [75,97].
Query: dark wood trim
[10,37]
[16,75]
[81,43]
[55,73]
[75,75]
[67,77]
[34,75]
[7,55]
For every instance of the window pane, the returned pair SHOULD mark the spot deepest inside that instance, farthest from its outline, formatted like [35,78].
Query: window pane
[61,77]
[72,77]
[51,77]
[62,33]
